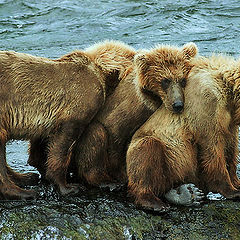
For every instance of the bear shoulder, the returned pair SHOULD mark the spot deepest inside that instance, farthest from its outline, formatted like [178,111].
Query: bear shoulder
[76,56]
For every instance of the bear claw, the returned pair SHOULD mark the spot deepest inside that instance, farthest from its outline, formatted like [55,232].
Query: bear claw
[186,195]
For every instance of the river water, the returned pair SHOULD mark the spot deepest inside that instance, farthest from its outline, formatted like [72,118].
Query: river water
[53,28]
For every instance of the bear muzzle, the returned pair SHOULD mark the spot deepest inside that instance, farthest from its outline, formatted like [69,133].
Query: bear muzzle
[178,106]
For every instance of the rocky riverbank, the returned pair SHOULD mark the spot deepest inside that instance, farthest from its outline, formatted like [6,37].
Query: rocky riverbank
[104,214]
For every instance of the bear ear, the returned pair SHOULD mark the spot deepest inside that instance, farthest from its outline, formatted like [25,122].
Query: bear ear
[190,50]
[141,61]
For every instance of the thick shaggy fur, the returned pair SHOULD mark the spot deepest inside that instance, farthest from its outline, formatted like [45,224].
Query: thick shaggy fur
[200,145]
[100,153]
[51,102]
[111,58]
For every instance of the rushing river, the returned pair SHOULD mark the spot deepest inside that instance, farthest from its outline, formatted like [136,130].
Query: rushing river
[53,28]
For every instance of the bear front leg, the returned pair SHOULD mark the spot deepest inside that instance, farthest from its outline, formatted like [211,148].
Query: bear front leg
[8,189]
[38,152]
[231,154]
[214,170]
[145,170]
[60,151]
[90,155]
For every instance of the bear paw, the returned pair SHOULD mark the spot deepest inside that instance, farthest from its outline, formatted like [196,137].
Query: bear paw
[154,204]
[186,195]
[69,189]
[17,193]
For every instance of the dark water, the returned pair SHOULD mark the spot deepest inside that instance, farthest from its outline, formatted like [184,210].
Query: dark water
[52,28]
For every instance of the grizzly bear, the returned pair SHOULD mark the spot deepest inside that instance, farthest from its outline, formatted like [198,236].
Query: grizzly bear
[99,156]
[53,100]
[112,58]
[200,145]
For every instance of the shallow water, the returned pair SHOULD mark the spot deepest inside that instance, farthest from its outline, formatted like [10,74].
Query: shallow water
[52,28]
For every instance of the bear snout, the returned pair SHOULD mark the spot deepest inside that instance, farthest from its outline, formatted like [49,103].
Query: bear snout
[178,106]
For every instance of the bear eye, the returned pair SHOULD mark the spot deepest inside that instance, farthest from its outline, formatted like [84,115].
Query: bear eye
[165,83]
[183,83]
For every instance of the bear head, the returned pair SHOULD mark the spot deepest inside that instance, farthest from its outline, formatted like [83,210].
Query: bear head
[162,72]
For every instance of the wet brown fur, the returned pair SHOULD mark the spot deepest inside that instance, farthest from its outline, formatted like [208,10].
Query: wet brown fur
[100,153]
[200,145]
[51,102]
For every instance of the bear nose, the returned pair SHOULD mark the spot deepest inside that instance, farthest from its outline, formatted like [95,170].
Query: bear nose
[178,106]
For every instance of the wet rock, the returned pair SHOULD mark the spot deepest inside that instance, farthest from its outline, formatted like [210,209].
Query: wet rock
[105,214]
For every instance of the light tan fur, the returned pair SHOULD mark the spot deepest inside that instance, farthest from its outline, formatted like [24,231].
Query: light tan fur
[200,145]
[52,101]
[100,154]
[111,56]
[215,125]
[164,63]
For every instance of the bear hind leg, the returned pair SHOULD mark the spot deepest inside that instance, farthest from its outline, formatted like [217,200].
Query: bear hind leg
[90,155]
[8,189]
[146,176]
[59,156]
[38,152]
[214,170]
[231,153]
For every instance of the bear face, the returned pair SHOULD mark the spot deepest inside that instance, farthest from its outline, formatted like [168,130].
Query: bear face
[200,145]
[162,72]
[100,156]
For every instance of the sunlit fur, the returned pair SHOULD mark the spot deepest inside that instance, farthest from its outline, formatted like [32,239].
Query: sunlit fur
[49,99]
[111,56]
[164,62]
[200,145]
[214,122]
[100,154]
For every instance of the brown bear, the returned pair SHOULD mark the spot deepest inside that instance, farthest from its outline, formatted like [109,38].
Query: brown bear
[112,58]
[99,156]
[200,145]
[49,99]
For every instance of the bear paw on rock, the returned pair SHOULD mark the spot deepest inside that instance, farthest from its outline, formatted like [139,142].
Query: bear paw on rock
[186,195]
